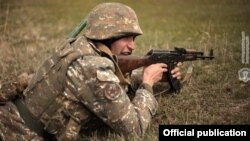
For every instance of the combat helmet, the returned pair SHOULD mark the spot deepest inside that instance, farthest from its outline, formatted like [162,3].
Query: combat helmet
[111,21]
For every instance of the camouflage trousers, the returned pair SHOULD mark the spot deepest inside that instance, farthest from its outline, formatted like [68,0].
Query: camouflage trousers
[12,126]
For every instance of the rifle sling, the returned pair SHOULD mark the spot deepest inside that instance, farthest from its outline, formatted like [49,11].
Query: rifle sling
[33,124]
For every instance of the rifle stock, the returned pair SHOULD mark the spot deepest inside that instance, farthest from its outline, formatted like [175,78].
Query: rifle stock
[129,63]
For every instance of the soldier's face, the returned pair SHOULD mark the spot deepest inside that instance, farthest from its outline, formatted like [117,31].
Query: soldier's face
[123,46]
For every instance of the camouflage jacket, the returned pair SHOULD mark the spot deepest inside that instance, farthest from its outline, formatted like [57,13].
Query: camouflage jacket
[71,93]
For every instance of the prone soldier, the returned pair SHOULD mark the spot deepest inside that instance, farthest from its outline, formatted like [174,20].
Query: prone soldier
[80,88]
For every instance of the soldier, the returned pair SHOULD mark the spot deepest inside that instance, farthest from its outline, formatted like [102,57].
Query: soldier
[80,87]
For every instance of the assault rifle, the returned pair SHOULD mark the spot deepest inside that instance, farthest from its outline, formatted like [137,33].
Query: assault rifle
[171,58]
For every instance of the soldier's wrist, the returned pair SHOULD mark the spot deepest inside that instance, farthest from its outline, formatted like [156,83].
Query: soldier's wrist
[147,87]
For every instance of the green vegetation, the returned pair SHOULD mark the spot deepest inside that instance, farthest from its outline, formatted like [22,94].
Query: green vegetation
[31,30]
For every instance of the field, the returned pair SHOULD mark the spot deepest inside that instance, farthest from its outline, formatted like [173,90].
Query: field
[32,29]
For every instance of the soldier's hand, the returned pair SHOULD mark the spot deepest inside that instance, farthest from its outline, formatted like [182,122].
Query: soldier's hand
[153,73]
[176,71]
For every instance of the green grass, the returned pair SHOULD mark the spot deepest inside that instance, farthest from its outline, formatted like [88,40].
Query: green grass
[31,30]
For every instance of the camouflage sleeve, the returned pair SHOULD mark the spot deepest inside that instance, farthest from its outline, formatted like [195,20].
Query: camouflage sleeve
[136,78]
[104,96]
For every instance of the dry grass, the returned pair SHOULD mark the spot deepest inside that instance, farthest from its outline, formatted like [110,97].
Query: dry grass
[30,30]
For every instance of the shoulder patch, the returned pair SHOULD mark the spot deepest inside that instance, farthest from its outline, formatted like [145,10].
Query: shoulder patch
[112,91]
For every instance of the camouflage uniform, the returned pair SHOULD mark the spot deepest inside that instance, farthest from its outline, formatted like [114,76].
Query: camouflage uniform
[12,126]
[77,90]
